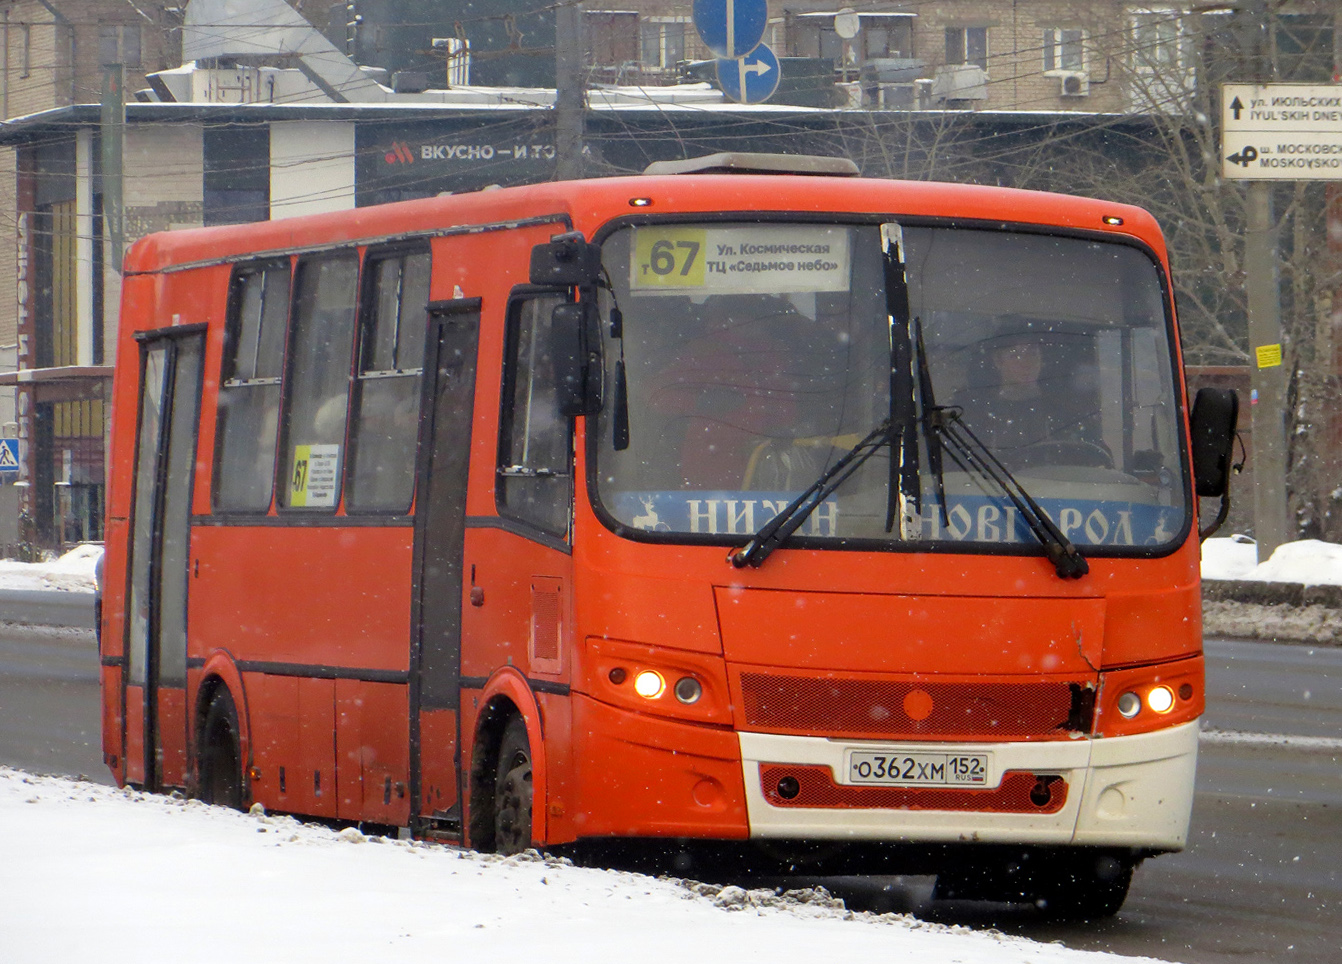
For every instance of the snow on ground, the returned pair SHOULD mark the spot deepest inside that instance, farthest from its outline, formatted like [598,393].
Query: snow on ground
[93,873]
[1308,561]
[72,572]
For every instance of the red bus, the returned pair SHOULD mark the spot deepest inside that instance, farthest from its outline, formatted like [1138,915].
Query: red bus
[745,510]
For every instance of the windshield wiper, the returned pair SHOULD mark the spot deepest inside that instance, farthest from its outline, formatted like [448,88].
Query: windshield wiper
[973,456]
[777,530]
[904,492]
[927,397]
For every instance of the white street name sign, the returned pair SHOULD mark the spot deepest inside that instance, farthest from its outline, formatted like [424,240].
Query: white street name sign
[1289,132]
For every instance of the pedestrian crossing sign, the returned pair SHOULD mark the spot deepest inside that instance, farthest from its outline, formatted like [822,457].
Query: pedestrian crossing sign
[9,455]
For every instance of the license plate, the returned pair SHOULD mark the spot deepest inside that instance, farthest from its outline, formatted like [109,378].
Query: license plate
[892,768]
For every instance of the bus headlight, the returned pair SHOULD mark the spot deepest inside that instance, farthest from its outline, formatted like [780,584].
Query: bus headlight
[649,685]
[688,690]
[1147,698]
[686,685]
[1160,699]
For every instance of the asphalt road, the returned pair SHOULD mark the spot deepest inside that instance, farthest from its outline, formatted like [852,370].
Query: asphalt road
[49,710]
[1261,880]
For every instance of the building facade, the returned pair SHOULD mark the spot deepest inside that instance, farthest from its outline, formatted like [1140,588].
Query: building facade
[53,332]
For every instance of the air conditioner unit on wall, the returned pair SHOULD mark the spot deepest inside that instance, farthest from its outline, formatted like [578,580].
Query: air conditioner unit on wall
[1074,83]
[959,82]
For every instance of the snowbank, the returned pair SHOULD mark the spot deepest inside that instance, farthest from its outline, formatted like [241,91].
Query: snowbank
[93,873]
[1308,562]
[72,572]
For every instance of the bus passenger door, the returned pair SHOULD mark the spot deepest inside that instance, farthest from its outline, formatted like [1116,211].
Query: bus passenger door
[155,719]
[446,414]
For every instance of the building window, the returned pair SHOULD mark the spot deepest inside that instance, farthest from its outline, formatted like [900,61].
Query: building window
[880,36]
[612,38]
[886,37]
[321,340]
[385,418]
[249,391]
[967,45]
[1158,40]
[661,43]
[535,474]
[119,45]
[1064,49]
[237,174]
[1163,74]
[25,49]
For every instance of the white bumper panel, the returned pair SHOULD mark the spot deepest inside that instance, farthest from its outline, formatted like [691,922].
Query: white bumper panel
[1139,794]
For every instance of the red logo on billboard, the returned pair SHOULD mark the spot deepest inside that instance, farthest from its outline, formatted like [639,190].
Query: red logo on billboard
[400,153]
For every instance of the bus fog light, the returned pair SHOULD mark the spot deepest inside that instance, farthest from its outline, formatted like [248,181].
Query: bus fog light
[649,685]
[688,690]
[1160,699]
[1129,704]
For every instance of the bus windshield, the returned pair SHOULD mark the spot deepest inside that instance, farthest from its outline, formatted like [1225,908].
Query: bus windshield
[752,357]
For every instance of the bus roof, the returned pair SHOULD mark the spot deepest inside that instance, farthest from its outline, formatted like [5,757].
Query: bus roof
[587,205]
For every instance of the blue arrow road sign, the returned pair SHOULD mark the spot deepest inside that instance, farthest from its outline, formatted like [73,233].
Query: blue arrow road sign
[751,79]
[731,28]
[9,455]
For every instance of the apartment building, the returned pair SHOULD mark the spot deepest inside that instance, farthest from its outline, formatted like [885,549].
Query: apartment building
[972,54]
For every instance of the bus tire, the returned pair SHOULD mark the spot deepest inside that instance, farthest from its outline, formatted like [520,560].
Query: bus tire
[512,790]
[1091,889]
[220,755]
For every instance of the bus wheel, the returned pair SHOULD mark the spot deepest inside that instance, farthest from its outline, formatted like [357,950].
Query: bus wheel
[512,790]
[1089,890]
[220,757]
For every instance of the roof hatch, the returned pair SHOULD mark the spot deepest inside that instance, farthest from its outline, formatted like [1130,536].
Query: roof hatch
[732,162]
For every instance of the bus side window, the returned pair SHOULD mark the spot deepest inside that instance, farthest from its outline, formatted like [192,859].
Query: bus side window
[385,413]
[249,393]
[535,450]
[321,340]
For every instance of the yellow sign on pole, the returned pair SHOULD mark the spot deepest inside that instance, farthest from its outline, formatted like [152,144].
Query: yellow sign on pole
[1269,356]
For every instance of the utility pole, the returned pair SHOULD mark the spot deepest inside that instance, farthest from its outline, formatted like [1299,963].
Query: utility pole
[1267,402]
[1268,360]
[112,135]
[570,98]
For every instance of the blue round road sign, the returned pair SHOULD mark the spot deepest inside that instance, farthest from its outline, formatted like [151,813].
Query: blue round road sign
[731,28]
[751,79]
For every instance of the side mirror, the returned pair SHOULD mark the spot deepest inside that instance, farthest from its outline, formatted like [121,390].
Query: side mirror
[1212,437]
[575,350]
[566,261]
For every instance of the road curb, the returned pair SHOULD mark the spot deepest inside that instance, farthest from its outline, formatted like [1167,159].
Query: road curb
[1261,593]
[47,607]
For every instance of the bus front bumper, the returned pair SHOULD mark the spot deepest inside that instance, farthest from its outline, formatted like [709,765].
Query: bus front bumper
[1131,791]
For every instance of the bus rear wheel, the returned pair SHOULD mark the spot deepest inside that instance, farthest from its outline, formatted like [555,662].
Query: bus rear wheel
[220,755]
[512,790]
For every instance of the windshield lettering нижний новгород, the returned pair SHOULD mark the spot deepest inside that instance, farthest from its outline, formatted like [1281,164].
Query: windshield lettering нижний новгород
[756,356]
